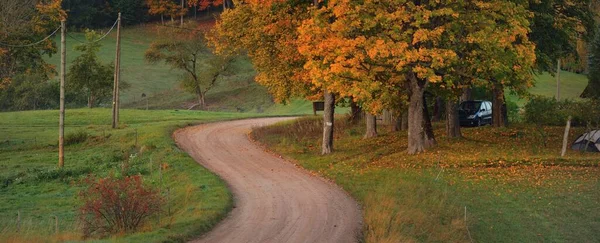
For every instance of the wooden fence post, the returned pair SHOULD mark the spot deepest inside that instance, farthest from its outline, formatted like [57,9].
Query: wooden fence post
[566,137]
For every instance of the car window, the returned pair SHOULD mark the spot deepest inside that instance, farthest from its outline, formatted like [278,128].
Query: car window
[470,106]
[487,106]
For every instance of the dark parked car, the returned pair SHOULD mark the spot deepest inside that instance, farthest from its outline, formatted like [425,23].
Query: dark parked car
[475,113]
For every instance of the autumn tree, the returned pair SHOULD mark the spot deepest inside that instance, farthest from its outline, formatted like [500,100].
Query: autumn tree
[189,53]
[267,32]
[205,4]
[22,25]
[88,75]
[165,7]
[371,49]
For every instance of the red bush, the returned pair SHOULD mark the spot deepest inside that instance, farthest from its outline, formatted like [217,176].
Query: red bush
[116,205]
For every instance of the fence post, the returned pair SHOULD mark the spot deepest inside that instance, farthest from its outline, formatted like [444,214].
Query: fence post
[566,138]
[18,220]
[159,189]
[136,138]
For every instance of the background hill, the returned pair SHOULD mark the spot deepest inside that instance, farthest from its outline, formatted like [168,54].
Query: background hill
[235,93]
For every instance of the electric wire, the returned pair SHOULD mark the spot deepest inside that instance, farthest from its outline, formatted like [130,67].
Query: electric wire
[32,44]
[97,40]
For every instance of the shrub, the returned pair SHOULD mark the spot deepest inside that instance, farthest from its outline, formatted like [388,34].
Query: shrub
[116,205]
[548,111]
[513,111]
[542,111]
[76,137]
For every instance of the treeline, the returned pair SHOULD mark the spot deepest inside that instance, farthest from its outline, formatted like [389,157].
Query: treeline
[93,14]
[392,55]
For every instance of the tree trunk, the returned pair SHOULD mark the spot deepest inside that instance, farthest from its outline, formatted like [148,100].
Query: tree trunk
[452,121]
[401,123]
[429,135]
[200,98]
[328,121]
[227,4]
[397,123]
[497,103]
[91,101]
[371,122]
[416,136]
[466,95]
[437,109]
[181,20]
[355,112]
[404,122]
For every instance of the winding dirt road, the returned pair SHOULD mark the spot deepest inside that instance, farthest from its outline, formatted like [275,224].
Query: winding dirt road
[274,200]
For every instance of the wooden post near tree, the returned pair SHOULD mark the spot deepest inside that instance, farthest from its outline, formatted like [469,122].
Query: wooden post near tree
[115,103]
[61,119]
[566,138]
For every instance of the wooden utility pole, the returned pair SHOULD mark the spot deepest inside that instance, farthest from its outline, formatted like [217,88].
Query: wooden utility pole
[61,119]
[115,104]
[558,80]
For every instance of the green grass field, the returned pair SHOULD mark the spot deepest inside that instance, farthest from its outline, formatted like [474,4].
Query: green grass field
[32,186]
[512,187]
[571,86]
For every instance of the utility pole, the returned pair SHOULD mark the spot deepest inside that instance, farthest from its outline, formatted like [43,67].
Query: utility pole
[558,80]
[115,104]
[61,119]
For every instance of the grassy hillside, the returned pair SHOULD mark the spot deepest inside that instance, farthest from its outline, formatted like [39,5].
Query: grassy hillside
[143,78]
[571,86]
[495,185]
[237,92]
[32,186]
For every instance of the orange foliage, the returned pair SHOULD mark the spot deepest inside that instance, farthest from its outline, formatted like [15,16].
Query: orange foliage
[366,49]
[165,7]
[204,4]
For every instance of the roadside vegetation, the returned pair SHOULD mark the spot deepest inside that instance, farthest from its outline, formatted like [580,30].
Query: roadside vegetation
[34,191]
[494,184]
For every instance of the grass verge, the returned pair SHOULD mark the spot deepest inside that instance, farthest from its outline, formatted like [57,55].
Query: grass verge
[494,185]
[34,190]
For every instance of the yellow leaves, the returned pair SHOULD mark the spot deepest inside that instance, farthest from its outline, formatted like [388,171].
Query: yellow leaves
[423,35]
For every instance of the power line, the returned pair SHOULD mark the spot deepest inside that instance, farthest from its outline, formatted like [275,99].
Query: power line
[32,44]
[99,39]
[74,38]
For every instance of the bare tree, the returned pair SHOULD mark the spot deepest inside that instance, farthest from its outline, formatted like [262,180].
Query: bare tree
[191,55]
